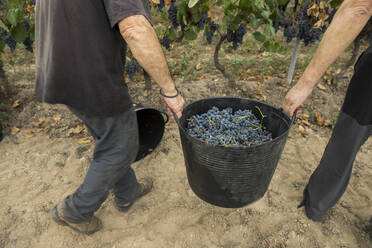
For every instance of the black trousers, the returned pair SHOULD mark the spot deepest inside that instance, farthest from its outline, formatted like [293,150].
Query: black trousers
[354,125]
[116,147]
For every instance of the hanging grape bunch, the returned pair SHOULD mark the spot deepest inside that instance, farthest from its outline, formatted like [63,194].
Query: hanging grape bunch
[307,21]
[132,67]
[16,24]
[223,127]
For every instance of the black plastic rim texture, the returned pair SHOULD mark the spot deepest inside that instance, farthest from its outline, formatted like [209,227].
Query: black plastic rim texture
[151,125]
[232,177]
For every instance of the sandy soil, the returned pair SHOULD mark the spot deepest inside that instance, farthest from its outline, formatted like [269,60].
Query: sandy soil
[47,160]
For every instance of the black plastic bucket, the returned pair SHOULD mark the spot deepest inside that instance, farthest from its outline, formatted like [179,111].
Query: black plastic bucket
[151,125]
[233,177]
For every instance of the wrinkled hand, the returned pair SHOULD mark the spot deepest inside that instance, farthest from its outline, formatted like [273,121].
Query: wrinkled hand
[174,105]
[295,97]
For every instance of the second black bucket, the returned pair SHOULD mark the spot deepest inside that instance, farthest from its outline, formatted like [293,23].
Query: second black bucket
[151,124]
[232,177]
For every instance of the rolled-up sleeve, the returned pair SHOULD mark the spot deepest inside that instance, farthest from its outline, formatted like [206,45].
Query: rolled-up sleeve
[118,10]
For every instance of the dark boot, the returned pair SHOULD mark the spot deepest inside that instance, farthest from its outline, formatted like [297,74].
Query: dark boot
[86,227]
[146,187]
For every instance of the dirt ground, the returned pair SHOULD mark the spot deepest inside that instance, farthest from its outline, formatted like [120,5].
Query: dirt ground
[46,158]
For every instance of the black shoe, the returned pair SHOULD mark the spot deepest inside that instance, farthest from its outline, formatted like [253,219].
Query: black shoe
[146,187]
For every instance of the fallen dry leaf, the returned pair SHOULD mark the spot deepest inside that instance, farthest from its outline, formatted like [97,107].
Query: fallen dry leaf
[322,87]
[202,76]
[47,128]
[301,130]
[29,134]
[39,123]
[145,92]
[263,98]
[305,122]
[155,1]
[198,66]
[327,123]
[305,116]
[319,119]
[55,120]
[84,141]
[16,104]
[258,92]
[14,130]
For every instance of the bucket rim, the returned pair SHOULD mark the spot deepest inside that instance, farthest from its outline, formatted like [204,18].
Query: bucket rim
[289,123]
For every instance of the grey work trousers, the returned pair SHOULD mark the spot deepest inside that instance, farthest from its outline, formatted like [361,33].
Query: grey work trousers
[116,146]
[329,181]
[354,125]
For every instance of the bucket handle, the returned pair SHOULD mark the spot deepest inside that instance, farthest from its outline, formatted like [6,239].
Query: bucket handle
[166,117]
[298,110]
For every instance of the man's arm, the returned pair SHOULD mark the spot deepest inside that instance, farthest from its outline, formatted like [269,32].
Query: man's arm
[144,44]
[348,22]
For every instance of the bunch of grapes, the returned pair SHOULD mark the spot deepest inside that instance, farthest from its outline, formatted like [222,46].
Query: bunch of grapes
[172,15]
[236,37]
[201,22]
[213,27]
[9,40]
[302,27]
[239,129]
[161,5]
[132,68]
[165,42]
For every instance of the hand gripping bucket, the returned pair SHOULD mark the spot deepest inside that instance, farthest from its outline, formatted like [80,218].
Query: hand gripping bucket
[151,124]
[233,177]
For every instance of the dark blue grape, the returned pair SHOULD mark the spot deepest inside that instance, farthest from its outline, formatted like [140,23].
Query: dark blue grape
[28,43]
[27,25]
[9,41]
[172,15]
[223,127]
[161,5]
[213,27]
[202,21]
[165,42]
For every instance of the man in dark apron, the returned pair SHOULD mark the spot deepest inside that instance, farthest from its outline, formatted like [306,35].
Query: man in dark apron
[354,125]
[79,63]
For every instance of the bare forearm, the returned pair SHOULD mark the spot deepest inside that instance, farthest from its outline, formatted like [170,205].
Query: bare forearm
[144,44]
[345,27]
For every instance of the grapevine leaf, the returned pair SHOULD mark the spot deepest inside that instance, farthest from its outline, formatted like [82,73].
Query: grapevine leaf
[172,35]
[255,23]
[19,33]
[12,17]
[269,30]
[191,34]
[258,36]
[282,2]
[3,26]
[192,3]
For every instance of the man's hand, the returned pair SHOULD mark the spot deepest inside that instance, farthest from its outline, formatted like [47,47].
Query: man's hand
[174,105]
[295,97]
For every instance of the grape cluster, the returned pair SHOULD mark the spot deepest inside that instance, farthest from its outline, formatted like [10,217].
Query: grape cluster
[28,44]
[201,22]
[132,68]
[213,27]
[161,5]
[165,42]
[172,15]
[301,28]
[223,127]
[236,37]
[9,40]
